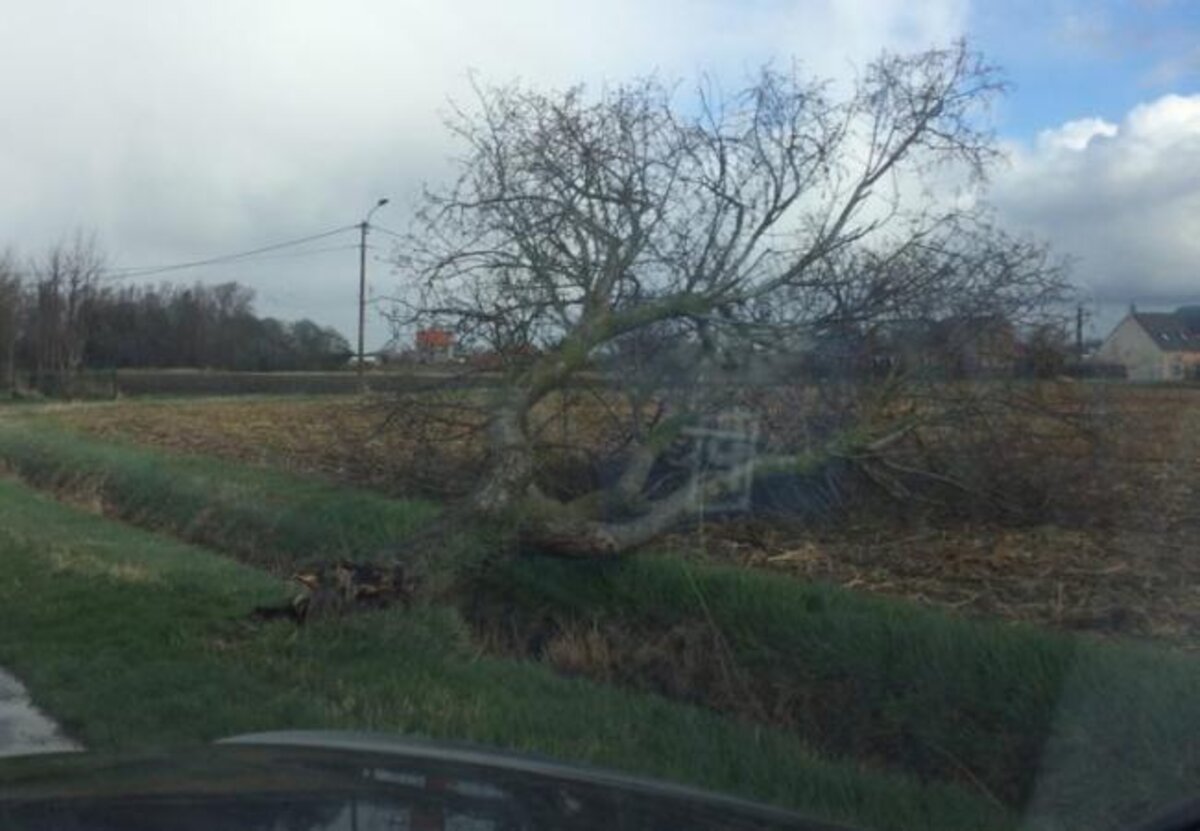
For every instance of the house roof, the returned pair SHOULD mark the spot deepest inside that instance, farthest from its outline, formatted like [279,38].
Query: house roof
[1170,331]
[435,338]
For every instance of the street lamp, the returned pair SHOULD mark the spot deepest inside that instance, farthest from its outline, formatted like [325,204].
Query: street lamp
[362,286]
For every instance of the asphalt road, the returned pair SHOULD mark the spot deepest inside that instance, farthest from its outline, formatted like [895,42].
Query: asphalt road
[24,729]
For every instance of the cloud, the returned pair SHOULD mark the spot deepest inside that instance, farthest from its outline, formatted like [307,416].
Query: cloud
[1122,199]
[193,128]
[1174,69]
[1075,135]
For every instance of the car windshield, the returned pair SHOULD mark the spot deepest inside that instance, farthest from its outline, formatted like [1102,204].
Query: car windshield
[794,401]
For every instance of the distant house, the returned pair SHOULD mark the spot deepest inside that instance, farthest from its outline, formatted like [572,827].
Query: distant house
[959,346]
[978,345]
[435,345]
[1155,346]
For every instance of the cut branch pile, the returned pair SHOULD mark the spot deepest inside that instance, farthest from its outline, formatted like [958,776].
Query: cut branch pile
[340,588]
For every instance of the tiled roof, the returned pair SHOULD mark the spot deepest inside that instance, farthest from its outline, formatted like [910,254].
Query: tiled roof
[1170,331]
[435,339]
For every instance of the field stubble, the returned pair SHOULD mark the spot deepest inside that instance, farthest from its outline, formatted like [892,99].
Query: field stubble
[1125,568]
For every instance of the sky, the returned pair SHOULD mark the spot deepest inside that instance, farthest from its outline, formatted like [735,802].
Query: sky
[181,130]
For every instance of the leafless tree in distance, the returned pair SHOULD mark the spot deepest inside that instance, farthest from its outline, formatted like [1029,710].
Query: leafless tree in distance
[10,318]
[63,283]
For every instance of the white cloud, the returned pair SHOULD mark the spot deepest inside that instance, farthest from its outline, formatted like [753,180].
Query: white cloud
[1123,199]
[191,128]
[1075,135]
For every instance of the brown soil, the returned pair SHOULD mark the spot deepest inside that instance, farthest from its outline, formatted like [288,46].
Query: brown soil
[1136,584]
[338,438]
[1128,568]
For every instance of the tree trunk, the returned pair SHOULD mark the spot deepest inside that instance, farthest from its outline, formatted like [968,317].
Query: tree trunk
[510,470]
[556,528]
[563,534]
[8,368]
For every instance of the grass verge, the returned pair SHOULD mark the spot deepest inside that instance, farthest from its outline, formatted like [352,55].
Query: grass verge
[1057,727]
[264,517]
[135,641]
[1054,725]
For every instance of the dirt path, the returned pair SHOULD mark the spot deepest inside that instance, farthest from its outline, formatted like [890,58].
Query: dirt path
[25,730]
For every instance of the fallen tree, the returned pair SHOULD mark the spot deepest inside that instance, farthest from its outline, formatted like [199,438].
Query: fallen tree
[691,253]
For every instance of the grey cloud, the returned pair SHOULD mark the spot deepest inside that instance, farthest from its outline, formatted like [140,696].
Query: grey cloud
[1124,201]
[193,128]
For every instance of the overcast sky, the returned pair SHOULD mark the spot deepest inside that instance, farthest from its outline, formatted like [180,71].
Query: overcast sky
[184,130]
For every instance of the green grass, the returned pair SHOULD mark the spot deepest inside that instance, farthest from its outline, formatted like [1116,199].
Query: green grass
[1051,724]
[136,641]
[264,517]
[1055,724]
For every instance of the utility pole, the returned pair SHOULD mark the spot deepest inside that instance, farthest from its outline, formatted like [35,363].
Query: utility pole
[1079,332]
[362,300]
[362,290]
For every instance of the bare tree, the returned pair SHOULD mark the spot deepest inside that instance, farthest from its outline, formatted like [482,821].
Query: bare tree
[10,318]
[64,281]
[688,252]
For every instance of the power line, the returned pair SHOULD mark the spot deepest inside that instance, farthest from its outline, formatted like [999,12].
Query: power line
[149,271]
[291,255]
[395,234]
[308,253]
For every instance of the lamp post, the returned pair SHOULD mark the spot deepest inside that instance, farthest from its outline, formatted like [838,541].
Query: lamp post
[362,287]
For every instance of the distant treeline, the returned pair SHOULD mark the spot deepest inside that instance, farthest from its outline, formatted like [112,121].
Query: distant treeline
[59,314]
[202,326]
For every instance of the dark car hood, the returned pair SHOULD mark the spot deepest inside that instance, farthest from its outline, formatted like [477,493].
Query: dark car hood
[314,781]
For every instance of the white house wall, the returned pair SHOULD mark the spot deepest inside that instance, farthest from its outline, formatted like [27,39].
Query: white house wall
[1131,346]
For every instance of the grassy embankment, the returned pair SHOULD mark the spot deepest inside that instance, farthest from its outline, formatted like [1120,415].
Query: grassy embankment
[1052,725]
[137,641]
[264,517]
